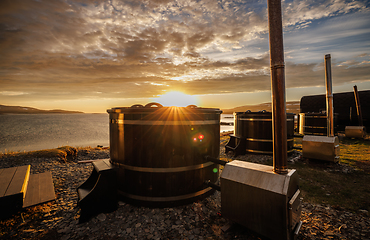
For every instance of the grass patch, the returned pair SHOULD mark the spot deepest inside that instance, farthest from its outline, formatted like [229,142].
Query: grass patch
[64,153]
[355,153]
[345,184]
[347,190]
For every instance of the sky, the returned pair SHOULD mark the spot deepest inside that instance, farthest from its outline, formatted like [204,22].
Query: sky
[91,56]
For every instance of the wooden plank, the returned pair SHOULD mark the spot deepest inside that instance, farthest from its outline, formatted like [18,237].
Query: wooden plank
[86,161]
[25,183]
[91,161]
[5,179]
[102,165]
[82,193]
[40,189]
[13,183]
[33,191]
[47,187]
[109,164]
[19,181]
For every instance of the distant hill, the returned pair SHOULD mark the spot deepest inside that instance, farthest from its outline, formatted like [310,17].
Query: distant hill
[291,107]
[28,110]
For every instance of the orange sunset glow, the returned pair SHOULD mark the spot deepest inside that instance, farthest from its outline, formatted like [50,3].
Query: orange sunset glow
[90,56]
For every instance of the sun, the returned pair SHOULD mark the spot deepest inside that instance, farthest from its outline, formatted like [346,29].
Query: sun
[176,99]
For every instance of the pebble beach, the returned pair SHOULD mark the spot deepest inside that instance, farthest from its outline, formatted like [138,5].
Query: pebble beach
[203,219]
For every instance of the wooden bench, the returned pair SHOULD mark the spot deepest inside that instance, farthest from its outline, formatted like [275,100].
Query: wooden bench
[99,192]
[19,189]
[13,187]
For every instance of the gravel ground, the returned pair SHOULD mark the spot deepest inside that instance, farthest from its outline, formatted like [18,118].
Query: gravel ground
[199,220]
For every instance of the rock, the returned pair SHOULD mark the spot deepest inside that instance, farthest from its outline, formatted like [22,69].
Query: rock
[101,217]
[64,230]
[65,237]
[363,211]
[329,233]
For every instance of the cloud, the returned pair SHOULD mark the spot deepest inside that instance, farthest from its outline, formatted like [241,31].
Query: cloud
[300,13]
[12,93]
[342,36]
[132,49]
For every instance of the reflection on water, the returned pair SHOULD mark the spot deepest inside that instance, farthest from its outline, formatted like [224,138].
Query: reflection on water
[227,118]
[26,132]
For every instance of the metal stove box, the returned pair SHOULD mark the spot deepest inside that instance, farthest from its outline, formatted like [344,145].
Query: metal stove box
[261,200]
[355,131]
[321,147]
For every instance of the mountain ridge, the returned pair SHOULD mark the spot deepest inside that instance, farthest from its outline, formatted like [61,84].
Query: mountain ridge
[30,110]
[291,107]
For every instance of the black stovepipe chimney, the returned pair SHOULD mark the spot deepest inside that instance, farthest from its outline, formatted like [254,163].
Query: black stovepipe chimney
[280,155]
[358,106]
[329,97]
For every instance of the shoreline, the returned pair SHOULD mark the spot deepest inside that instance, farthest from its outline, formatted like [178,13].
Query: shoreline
[105,145]
[22,134]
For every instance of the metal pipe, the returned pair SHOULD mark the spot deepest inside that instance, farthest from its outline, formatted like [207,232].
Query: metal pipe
[329,97]
[215,160]
[279,125]
[212,185]
[358,106]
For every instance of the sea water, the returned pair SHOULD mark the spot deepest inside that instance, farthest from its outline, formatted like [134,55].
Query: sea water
[28,132]
[228,119]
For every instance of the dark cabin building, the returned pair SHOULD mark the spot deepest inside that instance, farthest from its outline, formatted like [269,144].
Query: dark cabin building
[344,107]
